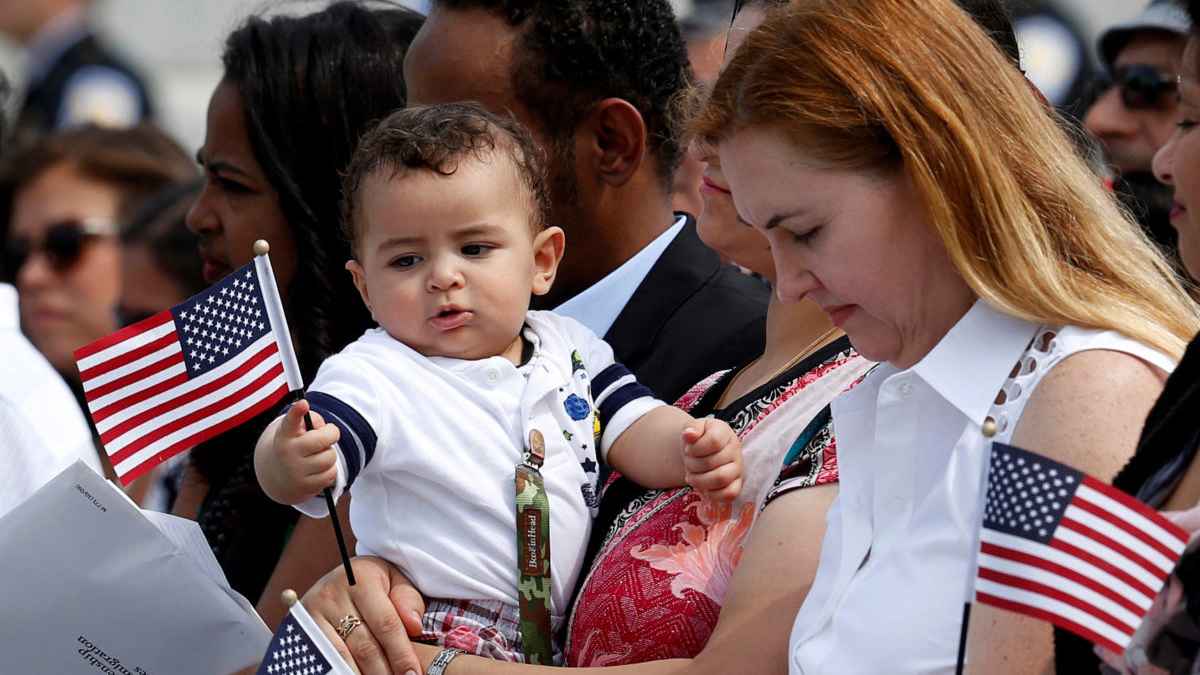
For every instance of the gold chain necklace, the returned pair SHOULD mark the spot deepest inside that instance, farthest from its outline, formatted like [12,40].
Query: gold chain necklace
[803,354]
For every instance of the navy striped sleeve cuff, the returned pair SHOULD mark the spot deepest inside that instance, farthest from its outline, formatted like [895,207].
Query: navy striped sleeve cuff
[357,437]
[613,389]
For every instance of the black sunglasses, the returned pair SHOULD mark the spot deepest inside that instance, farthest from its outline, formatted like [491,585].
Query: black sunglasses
[1142,87]
[62,244]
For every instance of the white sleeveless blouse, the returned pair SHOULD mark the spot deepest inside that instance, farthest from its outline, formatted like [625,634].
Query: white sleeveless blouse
[889,591]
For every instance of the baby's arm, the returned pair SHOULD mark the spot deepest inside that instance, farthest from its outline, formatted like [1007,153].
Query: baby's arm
[292,463]
[668,448]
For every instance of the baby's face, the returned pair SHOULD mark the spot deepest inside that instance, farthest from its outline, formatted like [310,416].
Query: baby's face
[447,264]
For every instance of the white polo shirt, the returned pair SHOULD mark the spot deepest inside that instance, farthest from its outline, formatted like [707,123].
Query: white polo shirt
[430,447]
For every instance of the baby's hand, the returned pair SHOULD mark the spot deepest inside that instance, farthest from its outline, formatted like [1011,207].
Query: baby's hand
[712,459]
[292,463]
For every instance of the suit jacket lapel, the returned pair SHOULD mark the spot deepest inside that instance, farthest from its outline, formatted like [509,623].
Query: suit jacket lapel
[680,272]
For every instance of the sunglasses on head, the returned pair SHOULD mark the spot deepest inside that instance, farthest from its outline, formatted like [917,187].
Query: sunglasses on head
[1142,87]
[737,8]
[62,244]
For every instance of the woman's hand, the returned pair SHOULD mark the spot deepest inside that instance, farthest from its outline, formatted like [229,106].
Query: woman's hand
[1188,520]
[390,608]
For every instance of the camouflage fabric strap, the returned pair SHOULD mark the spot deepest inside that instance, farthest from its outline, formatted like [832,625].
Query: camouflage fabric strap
[533,554]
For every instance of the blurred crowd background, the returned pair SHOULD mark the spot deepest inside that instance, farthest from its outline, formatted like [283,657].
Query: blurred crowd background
[175,44]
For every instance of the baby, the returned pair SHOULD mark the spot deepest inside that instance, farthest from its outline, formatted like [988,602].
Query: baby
[471,428]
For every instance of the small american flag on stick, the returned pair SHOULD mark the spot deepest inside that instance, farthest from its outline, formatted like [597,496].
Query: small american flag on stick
[189,373]
[300,648]
[1060,546]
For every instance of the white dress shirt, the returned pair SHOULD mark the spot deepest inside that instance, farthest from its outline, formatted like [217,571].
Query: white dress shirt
[430,446]
[42,429]
[892,579]
[600,304]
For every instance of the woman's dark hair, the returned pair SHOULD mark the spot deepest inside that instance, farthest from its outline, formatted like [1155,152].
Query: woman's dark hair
[1193,9]
[136,161]
[158,224]
[311,85]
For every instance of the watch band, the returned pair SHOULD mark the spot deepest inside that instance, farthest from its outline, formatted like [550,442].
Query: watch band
[443,659]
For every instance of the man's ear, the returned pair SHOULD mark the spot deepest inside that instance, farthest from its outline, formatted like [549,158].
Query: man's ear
[613,135]
[360,282]
[548,247]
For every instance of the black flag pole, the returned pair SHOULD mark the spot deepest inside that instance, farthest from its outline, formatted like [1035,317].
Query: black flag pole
[962,639]
[333,515]
[988,428]
[266,276]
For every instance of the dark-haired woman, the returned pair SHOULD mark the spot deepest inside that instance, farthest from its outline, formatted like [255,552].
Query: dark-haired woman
[1165,472]
[296,94]
[62,197]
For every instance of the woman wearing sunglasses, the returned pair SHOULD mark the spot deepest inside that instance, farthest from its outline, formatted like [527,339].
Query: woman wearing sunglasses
[63,197]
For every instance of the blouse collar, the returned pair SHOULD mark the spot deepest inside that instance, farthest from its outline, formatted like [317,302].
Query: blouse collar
[972,361]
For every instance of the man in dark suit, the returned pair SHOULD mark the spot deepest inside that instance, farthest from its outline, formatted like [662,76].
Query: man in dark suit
[595,80]
[73,78]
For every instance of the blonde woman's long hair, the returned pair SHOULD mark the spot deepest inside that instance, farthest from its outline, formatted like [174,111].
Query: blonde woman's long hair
[916,85]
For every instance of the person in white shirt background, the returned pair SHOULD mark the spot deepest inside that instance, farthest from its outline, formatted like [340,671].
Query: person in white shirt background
[447,211]
[33,401]
[927,201]
[42,429]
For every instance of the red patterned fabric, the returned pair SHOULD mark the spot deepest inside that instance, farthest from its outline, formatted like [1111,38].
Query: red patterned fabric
[655,588]
[630,612]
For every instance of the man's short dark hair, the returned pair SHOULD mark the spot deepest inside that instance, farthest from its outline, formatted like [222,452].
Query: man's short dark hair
[574,53]
[439,138]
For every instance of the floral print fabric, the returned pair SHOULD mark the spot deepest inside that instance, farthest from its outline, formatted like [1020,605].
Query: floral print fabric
[656,586]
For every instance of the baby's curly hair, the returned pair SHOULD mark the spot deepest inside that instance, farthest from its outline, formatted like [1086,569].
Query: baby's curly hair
[439,138]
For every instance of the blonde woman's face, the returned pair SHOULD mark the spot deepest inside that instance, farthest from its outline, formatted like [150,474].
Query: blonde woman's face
[855,243]
[1178,162]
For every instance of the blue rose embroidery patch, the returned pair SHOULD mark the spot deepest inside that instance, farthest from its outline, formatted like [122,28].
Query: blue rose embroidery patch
[576,407]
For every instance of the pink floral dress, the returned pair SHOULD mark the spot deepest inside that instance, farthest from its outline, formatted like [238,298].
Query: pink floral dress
[663,565]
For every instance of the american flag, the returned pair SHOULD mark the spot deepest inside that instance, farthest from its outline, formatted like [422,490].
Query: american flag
[1060,546]
[189,373]
[300,648]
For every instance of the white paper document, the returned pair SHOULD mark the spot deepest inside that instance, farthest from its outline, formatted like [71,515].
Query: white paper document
[91,584]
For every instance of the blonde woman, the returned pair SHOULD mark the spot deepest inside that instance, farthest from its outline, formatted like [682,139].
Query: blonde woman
[912,185]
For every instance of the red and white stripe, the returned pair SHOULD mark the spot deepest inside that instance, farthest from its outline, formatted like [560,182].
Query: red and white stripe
[147,409]
[1105,564]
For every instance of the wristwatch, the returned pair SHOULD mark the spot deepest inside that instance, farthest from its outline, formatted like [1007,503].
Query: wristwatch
[443,659]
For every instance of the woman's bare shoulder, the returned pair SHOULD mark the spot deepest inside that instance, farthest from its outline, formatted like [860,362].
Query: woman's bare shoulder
[1089,409]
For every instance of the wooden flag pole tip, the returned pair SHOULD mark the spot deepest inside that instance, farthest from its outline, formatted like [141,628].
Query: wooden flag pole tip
[261,247]
[289,598]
